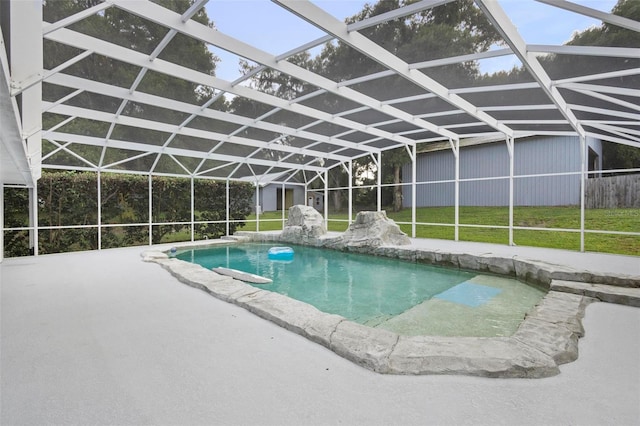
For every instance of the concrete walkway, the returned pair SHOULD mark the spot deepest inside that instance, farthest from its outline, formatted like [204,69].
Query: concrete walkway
[104,338]
[589,261]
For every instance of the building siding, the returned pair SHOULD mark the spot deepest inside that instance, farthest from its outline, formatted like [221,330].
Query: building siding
[269,197]
[537,155]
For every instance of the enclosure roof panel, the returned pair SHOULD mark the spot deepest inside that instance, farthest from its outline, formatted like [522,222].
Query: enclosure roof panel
[121,89]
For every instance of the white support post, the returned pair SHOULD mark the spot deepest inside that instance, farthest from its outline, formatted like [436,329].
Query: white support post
[99,204]
[456,152]
[379,178]
[25,19]
[583,185]
[350,173]
[283,201]
[150,190]
[326,199]
[227,207]
[193,214]
[510,148]
[414,194]
[257,206]
[33,220]
[1,222]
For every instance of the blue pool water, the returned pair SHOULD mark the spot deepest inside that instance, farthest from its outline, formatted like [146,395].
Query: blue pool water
[376,291]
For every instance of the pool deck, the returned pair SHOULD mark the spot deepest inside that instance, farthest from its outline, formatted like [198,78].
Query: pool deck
[594,262]
[104,338]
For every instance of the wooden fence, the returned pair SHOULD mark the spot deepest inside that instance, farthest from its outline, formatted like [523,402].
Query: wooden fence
[613,192]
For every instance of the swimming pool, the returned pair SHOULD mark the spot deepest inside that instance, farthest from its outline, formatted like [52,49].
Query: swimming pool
[403,297]
[546,338]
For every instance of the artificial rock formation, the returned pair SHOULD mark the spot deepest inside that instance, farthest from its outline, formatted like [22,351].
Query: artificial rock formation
[304,224]
[370,230]
[374,229]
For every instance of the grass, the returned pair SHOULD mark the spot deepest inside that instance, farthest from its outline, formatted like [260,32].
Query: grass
[617,220]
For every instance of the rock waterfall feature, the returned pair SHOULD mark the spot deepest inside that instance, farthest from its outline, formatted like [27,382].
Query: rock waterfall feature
[304,225]
[374,229]
[370,230]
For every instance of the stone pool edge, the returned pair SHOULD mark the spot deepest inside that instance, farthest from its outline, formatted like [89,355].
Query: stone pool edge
[547,337]
[527,270]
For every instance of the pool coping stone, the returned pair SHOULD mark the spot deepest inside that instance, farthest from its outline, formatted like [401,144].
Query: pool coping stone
[531,271]
[547,337]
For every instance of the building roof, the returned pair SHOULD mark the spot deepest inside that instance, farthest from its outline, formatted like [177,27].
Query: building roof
[294,140]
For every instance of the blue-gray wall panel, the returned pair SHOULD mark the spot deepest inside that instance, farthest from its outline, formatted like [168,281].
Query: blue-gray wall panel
[269,196]
[439,166]
[551,154]
[437,194]
[485,193]
[547,191]
[538,155]
[484,161]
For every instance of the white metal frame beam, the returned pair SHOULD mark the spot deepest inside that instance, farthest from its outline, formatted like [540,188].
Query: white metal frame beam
[613,52]
[154,149]
[12,147]
[101,47]
[496,15]
[188,14]
[175,23]
[609,18]
[321,19]
[26,21]
[194,110]
[69,20]
[201,32]
[172,128]
[600,76]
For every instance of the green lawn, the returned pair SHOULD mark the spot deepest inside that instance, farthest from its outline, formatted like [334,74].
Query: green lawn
[622,220]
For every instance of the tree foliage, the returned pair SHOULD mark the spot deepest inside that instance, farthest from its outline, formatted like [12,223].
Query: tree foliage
[124,29]
[67,199]
[615,155]
[68,210]
[454,29]
[16,215]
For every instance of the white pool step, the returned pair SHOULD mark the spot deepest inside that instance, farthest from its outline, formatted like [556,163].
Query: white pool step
[242,276]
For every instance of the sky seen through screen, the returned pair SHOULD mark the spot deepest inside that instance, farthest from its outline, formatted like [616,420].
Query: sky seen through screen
[268,27]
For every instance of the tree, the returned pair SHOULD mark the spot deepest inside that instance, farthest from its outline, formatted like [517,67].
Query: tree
[69,200]
[453,29]
[618,156]
[124,29]
[615,155]
[281,85]
[276,83]
[16,215]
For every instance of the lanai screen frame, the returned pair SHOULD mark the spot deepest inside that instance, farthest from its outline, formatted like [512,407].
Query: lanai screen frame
[24,76]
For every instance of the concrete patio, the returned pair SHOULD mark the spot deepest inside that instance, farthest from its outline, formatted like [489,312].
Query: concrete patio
[104,338]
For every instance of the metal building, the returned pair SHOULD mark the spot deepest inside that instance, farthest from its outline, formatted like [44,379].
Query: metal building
[484,173]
